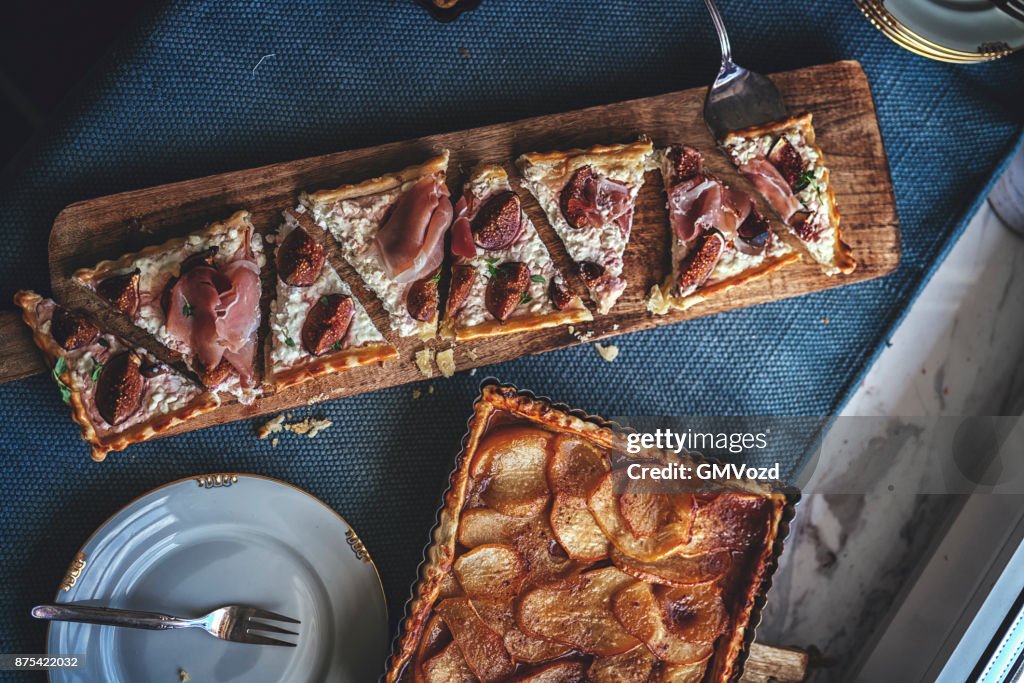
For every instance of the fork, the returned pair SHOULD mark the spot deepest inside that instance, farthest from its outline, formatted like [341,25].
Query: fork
[233,622]
[738,98]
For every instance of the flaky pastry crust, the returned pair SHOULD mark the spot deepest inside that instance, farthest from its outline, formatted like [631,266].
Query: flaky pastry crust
[104,443]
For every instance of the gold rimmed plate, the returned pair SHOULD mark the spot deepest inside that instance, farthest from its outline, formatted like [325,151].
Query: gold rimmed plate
[199,543]
[958,31]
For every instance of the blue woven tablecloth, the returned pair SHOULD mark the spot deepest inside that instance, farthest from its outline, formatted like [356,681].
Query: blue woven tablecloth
[182,97]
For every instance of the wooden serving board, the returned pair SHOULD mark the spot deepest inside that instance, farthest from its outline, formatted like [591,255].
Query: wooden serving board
[837,94]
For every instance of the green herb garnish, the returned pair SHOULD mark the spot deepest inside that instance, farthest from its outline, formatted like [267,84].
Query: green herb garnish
[336,346]
[186,309]
[526,298]
[492,269]
[436,278]
[323,300]
[97,368]
[58,369]
[289,341]
[103,342]
[537,278]
[805,179]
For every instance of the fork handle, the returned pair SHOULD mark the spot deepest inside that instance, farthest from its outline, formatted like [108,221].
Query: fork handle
[107,616]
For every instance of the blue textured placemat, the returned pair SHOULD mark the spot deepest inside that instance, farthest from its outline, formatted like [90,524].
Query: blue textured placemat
[204,87]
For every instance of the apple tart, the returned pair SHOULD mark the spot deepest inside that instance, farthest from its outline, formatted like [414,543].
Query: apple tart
[544,567]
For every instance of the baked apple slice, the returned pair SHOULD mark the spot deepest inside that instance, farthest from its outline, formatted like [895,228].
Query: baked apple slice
[502,618]
[576,530]
[512,460]
[481,646]
[684,673]
[676,569]
[567,671]
[679,625]
[667,539]
[491,571]
[574,468]
[634,666]
[577,612]
[448,666]
[484,525]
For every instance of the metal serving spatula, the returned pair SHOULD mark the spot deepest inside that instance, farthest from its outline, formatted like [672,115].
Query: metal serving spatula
[738,98]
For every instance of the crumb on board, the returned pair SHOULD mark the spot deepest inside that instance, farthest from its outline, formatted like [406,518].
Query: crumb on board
[430,389]
[616,326]
[472,354]
[424,361]
[310,427]
[184,676]
[607,351]
[446,362]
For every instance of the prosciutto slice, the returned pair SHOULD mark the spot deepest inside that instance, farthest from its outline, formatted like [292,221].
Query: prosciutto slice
[770,183]
[462,229]
[410,243]
[603,200]
[216,312]
[688,204]
[702,203]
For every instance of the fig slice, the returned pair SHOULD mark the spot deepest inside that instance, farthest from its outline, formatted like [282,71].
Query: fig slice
[679,625]
[119,388]
[448,666]
[501,617]
[685,673]
[576,530]
[512,461]
[676,570]
[604,505]
[577,612]
[491,571]
[630,667]
[565,671]
[481,645]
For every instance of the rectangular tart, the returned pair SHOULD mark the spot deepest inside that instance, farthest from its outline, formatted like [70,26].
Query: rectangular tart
[540,569]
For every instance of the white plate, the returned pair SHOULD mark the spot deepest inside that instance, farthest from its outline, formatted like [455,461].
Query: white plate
[966,25]
[197,544]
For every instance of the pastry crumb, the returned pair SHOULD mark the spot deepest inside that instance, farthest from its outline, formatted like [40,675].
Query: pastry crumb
[184,676]
[311,427]
[416,393]
[472,354]
[607,351]
[616,326]
[472,372]
[430,389]
[825,320]
[446,362]
[271,426]
[424,361]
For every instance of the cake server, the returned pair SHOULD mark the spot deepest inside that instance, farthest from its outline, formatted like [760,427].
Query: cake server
[738,98]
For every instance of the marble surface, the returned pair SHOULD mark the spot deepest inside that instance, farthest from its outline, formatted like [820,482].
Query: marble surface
[959,351]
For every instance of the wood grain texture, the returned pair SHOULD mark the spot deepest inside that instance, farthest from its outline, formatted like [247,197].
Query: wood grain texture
[837,94]
[767,664]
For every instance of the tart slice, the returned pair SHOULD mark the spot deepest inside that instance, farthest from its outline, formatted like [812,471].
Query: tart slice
[589,196]
[316,325]
[118,395]
[784,164]
[199,296]
[391,230]
[719,238]
[503,279]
